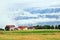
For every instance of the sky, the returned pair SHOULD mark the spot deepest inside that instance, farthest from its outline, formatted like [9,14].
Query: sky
[29,12]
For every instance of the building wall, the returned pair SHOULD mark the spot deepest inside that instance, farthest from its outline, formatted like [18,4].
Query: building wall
[25,28]
[12,28]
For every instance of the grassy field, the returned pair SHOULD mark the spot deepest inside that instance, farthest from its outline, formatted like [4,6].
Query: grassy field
[44,34]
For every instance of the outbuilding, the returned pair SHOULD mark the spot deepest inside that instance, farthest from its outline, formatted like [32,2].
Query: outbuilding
[10,27]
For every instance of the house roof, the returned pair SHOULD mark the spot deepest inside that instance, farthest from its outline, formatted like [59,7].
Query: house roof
[22,26]
[10,25]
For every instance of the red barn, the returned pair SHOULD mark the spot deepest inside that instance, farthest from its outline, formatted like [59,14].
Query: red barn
[22,27]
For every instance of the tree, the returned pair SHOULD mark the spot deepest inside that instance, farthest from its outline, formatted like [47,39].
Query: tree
[1,29]
[52,27]
[58,26]
[37,27]
[46,26]
[41,27]
[7,28]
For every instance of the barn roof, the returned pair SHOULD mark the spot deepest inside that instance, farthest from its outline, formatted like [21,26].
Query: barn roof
[10,25]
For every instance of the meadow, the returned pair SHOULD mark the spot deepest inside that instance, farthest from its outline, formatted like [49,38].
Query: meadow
[42,34]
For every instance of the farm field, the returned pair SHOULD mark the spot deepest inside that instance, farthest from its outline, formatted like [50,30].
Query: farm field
[42,34]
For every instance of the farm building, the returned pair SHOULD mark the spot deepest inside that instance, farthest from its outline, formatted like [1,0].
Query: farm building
[30,28]
[10,27]
[22,27]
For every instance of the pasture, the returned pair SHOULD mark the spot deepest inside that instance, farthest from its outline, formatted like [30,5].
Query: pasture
[43,34]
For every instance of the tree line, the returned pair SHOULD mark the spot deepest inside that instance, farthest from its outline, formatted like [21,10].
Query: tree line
[43,27]
[47,27]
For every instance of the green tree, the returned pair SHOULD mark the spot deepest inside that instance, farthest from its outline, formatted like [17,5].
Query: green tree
[46,26]
[52,27]
[37,27]
[7,28]
[58,26]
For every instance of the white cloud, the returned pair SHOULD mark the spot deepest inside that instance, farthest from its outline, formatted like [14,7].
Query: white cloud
[10,9]
[38,19]
[35,21]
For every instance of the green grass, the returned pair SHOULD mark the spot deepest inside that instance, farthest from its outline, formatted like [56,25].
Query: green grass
[43,31]
[42,34]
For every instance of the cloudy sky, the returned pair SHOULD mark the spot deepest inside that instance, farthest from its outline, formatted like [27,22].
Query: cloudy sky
[29,12]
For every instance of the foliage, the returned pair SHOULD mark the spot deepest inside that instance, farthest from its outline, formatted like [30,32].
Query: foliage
[47,27]
[7,28]
[1,29]
[58,26]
